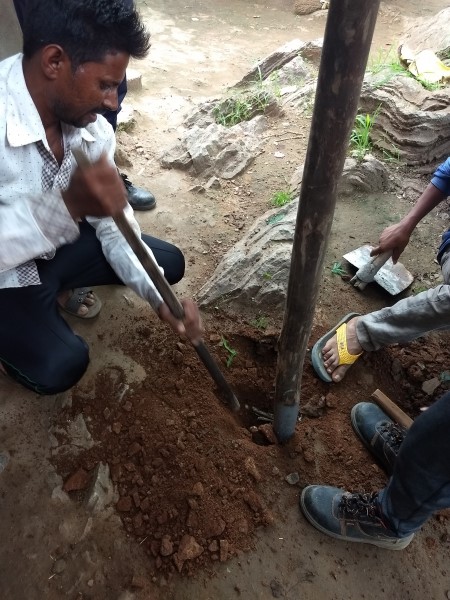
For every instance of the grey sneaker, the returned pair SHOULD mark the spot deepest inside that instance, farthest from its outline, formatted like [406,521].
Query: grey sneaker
[378,433]
[349,517]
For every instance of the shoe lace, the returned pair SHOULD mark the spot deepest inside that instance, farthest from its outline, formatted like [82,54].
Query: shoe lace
[126,181]
[393,434]
[360,505]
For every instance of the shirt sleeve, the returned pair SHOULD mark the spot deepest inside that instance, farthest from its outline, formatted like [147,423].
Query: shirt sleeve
[37,225]
[122,258]
[441,177]
[115,248]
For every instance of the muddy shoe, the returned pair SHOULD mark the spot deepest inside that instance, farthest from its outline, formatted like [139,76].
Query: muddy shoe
[381,436]
[349,517]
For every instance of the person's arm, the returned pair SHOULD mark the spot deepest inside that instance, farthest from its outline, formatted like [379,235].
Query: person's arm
[116,249]
[396,237]
[122,259]
[126,265]
[114,246]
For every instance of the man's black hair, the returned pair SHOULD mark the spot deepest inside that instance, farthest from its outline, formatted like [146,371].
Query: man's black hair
[87,30]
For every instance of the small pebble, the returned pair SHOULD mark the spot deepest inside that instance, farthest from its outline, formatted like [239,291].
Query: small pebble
[292,478]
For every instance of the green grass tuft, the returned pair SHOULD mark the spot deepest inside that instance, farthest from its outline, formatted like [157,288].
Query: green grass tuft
[241,108]
[360,137]
[280,198]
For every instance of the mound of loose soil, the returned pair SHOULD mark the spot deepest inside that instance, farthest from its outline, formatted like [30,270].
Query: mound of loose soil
[195,480]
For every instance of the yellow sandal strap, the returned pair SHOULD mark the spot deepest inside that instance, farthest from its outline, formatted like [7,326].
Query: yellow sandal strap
[345,358]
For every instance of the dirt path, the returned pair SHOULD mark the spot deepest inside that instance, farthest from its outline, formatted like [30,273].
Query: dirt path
[183,465]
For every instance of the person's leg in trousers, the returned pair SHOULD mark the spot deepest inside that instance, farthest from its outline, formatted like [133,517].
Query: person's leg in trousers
[420,484]
[37,346]
[409,318]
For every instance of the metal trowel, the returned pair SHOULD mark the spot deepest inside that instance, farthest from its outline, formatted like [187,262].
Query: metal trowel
[393,278]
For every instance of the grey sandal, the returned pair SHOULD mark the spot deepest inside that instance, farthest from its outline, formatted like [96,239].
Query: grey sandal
[77,298]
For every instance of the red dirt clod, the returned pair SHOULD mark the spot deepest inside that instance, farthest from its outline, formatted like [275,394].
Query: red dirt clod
[77,481]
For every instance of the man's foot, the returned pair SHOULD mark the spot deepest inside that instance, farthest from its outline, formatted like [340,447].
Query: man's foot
[378,433]
[138,198]
[349,517]
[330,352]
[80,302]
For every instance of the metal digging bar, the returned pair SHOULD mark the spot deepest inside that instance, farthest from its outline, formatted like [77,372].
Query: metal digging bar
[348,35]
[163,287]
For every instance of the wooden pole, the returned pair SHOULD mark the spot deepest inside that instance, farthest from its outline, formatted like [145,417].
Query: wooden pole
[347,39]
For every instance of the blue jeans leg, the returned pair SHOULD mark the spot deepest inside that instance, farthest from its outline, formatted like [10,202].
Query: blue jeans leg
[420,484]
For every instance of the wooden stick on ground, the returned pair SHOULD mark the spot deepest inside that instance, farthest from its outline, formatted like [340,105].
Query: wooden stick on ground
[391,409]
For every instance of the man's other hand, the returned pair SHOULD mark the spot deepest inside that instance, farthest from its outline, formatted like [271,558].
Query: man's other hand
[190,327]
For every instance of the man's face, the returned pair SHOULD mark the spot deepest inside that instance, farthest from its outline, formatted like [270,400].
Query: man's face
[90,90]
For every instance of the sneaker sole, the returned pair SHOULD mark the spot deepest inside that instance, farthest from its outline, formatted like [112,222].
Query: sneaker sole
[399,544]
[143,208]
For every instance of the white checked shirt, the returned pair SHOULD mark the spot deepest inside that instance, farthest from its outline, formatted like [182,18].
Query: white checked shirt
[34,220]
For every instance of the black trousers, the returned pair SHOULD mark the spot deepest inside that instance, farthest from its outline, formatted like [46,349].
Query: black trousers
[37,346]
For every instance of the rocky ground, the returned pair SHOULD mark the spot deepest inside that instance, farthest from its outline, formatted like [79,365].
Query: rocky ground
[140,483]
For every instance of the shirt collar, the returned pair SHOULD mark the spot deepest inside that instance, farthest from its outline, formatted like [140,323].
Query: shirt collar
[23,122]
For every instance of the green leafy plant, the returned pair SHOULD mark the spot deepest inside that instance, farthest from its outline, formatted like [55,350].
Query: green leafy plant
[430,86]
[360,137]
[235,111]
[274,82]
[259,78]
[389,64]
[392,156]
[385,61]
[338,269]
[281,198]
[308,107]
[232,353]
[127,126]
[241,108]
[267,276]
[260,322]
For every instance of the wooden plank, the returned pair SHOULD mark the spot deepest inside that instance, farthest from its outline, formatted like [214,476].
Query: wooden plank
[391,409]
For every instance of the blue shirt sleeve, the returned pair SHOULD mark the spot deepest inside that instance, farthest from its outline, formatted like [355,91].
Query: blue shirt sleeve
[441,177]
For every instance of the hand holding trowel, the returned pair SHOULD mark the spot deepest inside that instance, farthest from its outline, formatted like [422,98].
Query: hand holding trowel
[380,263]
[394,278]
[367,272]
